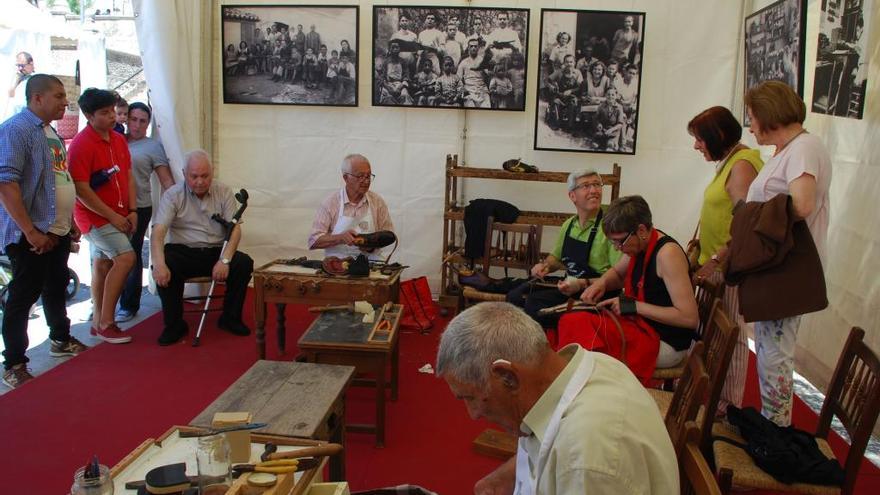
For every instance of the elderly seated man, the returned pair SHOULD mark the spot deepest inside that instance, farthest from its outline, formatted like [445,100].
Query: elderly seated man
[582,250]
[352,210]
[194,247]
[585,424]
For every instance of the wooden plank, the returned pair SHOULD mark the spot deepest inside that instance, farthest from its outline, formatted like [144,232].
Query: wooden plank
[548,218]
[494,443]
[494,173]
[294,398]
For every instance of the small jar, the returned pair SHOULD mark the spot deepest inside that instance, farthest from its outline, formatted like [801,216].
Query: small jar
[102,485]
[212,459]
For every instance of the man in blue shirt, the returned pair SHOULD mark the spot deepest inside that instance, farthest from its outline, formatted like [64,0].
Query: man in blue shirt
[36,224]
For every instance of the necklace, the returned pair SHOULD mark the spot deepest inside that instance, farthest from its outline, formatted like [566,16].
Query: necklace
[720,165]
[780,148]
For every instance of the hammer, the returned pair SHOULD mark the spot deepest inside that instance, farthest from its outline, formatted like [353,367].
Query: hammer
[322,450]
[355,307]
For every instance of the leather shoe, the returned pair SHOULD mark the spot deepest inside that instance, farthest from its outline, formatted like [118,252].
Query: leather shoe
[170,336]
[235,327]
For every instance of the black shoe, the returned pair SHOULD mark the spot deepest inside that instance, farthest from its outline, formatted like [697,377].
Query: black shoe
[171,336]
[233,326]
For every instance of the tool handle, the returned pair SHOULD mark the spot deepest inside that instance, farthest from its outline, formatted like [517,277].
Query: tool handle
[328,449]
[321,309]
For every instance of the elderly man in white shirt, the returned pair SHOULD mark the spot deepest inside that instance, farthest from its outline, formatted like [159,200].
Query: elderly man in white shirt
[585,423]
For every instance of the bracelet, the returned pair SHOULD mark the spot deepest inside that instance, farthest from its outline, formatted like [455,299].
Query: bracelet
[627,305]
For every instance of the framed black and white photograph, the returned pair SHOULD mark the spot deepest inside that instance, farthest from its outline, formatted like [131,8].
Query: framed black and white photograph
[589,81]
[841,75]
[774,39]
[442,57]
[290,54]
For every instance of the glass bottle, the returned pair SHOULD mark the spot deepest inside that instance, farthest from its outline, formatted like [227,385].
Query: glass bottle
[212,459]
[102,485]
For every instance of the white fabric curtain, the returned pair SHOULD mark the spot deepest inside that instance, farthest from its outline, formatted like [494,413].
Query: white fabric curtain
[13,41]
[170,38]
[92,55]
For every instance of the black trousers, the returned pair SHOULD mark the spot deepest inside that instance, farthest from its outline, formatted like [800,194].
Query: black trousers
[35,275]
[533,299]
[130,300]
[185,262]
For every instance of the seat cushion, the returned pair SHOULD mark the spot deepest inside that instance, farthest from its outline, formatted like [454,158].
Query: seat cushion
[670,373]
[748,475]
[662,398]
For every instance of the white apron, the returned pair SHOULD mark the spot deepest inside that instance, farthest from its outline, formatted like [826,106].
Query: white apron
[361,225]
[525,483]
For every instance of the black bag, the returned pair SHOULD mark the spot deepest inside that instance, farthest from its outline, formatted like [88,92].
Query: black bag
[788,454]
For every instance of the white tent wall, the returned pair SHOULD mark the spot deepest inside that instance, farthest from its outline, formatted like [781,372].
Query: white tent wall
[288,156]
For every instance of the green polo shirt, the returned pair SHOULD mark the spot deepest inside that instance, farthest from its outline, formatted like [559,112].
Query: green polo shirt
[603,255]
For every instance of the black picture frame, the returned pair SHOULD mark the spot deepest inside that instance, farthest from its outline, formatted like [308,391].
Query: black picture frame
[572,111]
[283,75]
[840,80]
[410,88]
[774,46]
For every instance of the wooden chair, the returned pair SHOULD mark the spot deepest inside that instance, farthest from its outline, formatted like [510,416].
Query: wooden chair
[687,398]
[507,246]
[853,396]
[695,473]
[706,293]
[719,342]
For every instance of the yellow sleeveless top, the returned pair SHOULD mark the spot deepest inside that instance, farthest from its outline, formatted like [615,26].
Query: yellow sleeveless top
[717,211]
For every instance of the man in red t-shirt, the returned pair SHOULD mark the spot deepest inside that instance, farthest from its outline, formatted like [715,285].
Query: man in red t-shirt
[106,210]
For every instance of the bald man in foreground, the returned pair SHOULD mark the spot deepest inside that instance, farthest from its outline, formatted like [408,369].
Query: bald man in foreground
[193,248]
[585,423]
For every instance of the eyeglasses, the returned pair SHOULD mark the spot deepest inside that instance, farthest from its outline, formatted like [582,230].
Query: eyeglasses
[361,177]
[22,66]
[586,186]
[620,243]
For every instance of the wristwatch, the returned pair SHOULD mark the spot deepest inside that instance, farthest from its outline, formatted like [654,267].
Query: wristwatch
[225,261]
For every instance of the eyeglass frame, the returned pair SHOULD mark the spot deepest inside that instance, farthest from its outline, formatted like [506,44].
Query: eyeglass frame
[589,185]
[22,66]
[619,244]
[361,177]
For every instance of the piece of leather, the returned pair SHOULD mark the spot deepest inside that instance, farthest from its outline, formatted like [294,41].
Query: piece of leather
[374,240]
[335,265]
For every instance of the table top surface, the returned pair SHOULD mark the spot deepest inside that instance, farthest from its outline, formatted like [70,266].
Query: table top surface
[347,329]
[279,267]
[294,398]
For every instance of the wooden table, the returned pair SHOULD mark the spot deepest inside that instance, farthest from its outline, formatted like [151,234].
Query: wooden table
[302,400]
[282,284]
[340,337]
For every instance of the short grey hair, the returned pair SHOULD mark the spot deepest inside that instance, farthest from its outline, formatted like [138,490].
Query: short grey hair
[486,332]
[574,176]
[349,159]
[196,154]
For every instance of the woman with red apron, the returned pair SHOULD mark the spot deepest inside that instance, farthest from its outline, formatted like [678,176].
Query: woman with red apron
[657,310]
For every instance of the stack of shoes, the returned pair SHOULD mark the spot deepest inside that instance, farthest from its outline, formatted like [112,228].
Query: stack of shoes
[517,165]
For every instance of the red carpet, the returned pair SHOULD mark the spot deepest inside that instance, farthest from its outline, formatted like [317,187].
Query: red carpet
[108,400]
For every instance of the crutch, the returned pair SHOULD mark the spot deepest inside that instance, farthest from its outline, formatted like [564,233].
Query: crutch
[242,198]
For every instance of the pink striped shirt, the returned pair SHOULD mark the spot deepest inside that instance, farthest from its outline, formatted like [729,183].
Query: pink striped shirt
[328,213]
